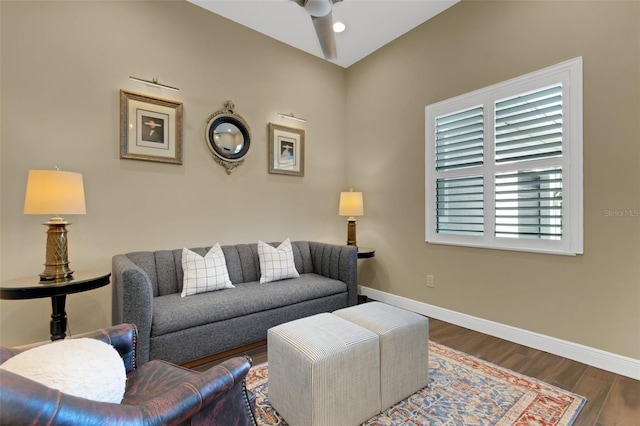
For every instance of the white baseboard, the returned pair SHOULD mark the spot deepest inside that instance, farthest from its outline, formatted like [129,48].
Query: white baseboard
[618,364]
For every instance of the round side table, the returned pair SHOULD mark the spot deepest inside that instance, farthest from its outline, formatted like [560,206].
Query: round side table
[365,253]
[31,288]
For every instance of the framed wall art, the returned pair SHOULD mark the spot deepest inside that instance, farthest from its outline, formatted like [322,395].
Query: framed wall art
[150,128]
[286,150]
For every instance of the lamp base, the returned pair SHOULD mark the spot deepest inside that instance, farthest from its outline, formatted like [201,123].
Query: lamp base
[56,264]
[351,232]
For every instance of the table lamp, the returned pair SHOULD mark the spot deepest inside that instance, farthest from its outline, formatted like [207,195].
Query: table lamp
[351,205]
[55,192]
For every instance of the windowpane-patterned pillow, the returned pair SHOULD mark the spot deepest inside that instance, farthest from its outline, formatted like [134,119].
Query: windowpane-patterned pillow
[276,263]
[202,274]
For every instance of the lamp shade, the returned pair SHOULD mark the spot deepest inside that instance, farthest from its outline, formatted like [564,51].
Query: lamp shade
[351,204]
[54,192]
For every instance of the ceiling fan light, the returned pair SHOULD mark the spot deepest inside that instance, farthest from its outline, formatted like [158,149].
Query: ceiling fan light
[318,8]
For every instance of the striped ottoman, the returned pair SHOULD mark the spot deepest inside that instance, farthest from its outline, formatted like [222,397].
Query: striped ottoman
[323,371]
[404,350]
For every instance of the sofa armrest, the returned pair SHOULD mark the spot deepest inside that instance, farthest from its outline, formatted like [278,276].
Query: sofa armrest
[132,301]
[339,262]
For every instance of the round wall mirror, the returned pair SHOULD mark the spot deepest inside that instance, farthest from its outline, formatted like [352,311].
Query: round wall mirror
[228,137]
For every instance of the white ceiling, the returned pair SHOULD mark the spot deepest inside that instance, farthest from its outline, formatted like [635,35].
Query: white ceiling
[370,23]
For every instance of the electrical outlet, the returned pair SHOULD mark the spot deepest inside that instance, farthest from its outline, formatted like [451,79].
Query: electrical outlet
[430,282]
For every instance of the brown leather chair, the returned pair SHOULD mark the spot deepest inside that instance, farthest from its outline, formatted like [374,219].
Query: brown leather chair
[157,393]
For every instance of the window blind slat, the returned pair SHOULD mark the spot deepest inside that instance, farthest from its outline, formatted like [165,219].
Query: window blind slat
[550,149]
[507,127]
[459,182]
[514,132]
[461,145]
[525,180]
[459,116]
[532,235]
[461,128]
[503,112]
[551,91]
[549,113]
[459,158]
[459,152]
[529,176]
[536,218]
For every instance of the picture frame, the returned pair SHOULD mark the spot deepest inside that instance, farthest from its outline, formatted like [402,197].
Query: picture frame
[286,150]
[150,128]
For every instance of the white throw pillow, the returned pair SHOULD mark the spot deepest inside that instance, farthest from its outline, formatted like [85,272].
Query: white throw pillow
[87,368]
[202,274]
[276,263]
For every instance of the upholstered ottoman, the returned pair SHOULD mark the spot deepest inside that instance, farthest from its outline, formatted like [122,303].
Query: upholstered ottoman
[404,340]
[323,371]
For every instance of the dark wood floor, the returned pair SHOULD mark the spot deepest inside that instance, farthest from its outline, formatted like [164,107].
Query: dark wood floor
[612,400]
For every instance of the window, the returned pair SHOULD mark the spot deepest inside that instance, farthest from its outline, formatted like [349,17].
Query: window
[504,164]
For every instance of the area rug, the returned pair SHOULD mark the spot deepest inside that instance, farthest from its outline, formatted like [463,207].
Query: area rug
[462,390]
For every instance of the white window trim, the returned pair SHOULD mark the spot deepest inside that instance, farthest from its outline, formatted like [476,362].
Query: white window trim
[568,73]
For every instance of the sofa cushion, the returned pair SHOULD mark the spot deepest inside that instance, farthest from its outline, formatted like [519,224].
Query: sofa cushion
[276,263]
[203,274]
[172,313]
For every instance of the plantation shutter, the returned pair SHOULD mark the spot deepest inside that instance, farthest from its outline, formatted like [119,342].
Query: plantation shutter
[460,205]
[460,139]
[504,164]
[529,204]
[529,126]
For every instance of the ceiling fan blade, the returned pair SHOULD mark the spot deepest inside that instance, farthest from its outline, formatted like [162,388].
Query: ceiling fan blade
[324,30]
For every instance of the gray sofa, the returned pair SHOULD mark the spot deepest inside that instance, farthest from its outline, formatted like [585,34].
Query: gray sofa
[147,287]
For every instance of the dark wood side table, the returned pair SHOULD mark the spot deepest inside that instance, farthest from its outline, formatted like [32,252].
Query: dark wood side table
[32,288]
[364,253]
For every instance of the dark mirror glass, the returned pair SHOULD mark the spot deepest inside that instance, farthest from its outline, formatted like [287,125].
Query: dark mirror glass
[228,137]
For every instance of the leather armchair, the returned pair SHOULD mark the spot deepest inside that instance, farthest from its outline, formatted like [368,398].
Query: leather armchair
[157,393]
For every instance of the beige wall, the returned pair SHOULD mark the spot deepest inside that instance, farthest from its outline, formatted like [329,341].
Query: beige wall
[63,64]
[593,299]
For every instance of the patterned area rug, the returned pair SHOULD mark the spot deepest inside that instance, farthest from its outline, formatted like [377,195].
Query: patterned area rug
[463,390]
